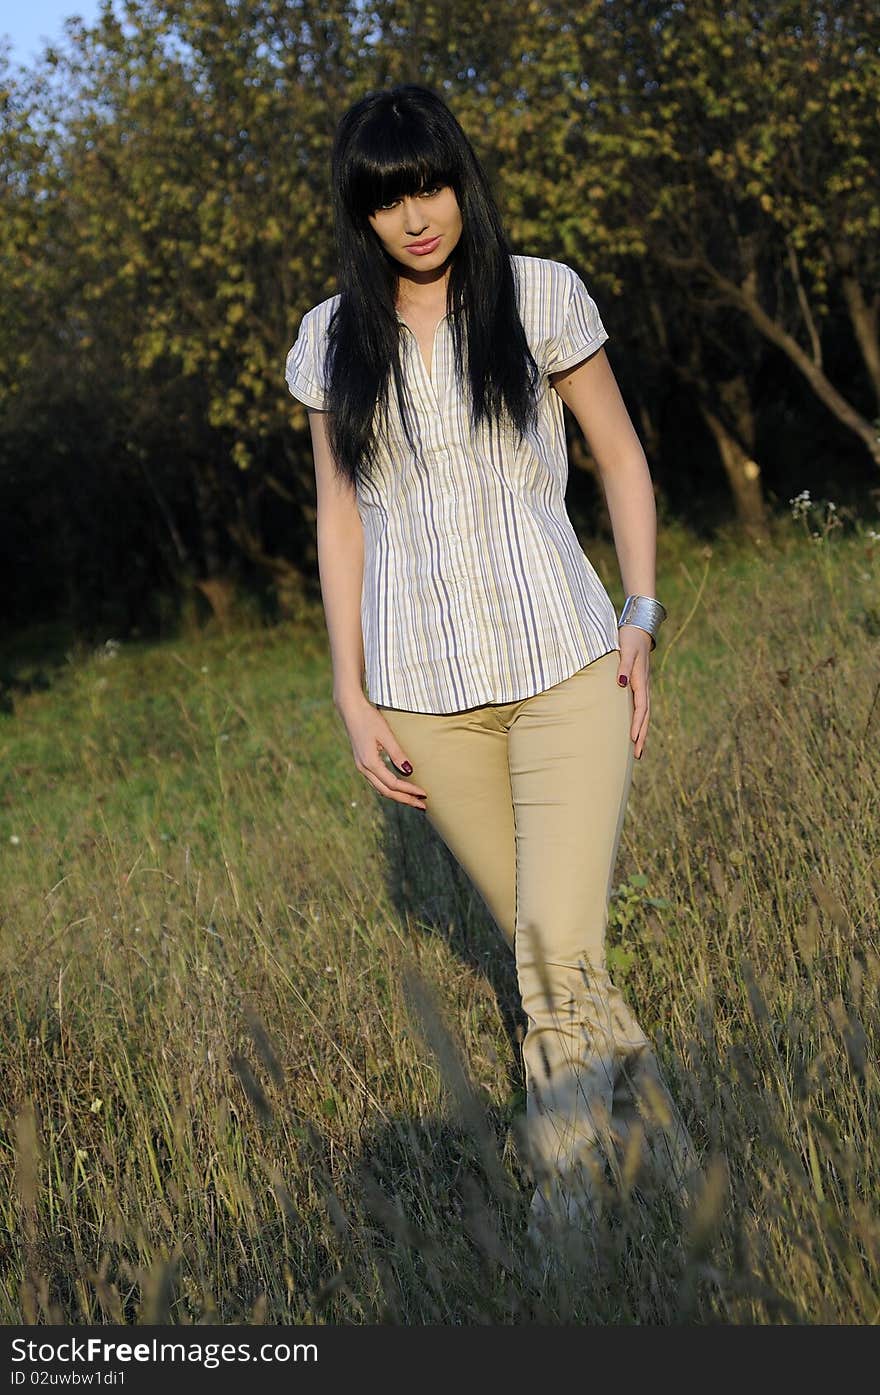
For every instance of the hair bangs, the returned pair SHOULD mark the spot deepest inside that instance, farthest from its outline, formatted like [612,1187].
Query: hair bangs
[390,163]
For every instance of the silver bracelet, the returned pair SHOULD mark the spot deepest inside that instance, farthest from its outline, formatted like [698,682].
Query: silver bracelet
[644,611]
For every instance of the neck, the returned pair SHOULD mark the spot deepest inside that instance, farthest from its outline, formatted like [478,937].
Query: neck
[423,290]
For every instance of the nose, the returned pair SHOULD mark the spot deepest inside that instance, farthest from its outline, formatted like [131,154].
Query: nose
[414,215]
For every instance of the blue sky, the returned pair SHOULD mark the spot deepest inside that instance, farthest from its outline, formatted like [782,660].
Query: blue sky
[26,22]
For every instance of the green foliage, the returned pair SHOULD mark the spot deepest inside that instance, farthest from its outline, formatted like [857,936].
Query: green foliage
[167,221]
[626,914]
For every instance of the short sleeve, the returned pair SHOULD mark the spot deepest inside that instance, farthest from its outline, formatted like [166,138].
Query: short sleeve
[304,367]
[581,330]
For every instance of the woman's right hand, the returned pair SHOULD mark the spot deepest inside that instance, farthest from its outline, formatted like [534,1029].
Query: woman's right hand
[370,734]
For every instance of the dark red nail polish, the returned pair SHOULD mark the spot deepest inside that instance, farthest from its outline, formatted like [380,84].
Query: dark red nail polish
[406,767]
[622,680]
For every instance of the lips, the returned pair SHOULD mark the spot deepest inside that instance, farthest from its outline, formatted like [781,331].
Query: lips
[421,249]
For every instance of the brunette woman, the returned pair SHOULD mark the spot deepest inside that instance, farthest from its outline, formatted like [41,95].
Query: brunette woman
[504,696]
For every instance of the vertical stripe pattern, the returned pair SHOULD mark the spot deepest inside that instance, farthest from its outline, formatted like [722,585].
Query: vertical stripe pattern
[476,588]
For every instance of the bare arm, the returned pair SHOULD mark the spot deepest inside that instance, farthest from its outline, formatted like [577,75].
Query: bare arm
[341,569]
[590,391]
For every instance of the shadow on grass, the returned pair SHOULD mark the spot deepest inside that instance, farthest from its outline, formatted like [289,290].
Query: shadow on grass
[423,1234]
[428,888]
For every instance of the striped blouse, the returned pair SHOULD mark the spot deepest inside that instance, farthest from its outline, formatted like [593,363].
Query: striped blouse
[476,589]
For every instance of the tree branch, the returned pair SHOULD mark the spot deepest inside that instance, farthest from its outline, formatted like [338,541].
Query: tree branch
[804,303]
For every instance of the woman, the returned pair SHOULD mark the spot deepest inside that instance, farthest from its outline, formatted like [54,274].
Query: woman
[498,675]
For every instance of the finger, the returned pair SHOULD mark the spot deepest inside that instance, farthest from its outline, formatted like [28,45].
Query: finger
[391,782]
[642,728]
[392,779]
[640,711]
[641,704]
[642,736]
[391,794]
[395,752]
[393,788]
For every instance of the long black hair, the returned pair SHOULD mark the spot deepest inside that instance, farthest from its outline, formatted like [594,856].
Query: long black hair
[390,144]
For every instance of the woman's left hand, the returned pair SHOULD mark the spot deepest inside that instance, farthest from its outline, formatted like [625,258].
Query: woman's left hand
[635,648]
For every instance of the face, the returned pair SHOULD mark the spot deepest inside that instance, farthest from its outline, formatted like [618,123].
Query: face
[431,217]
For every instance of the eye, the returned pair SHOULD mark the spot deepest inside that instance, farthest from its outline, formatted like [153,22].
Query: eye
[383,207]
[431,190]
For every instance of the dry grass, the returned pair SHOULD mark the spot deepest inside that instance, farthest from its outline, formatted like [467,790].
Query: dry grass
[260,1038]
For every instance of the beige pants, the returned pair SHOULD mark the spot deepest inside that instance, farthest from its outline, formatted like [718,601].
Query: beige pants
[530,798]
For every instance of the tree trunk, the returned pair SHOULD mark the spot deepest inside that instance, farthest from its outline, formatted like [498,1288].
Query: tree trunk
[291,591]
[215,585]
[219,592]
[863,313]
[743,475]
[864,323]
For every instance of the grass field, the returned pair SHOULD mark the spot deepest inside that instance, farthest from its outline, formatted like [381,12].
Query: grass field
[259,1037]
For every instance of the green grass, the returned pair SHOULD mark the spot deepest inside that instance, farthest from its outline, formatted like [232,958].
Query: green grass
[260,1038]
